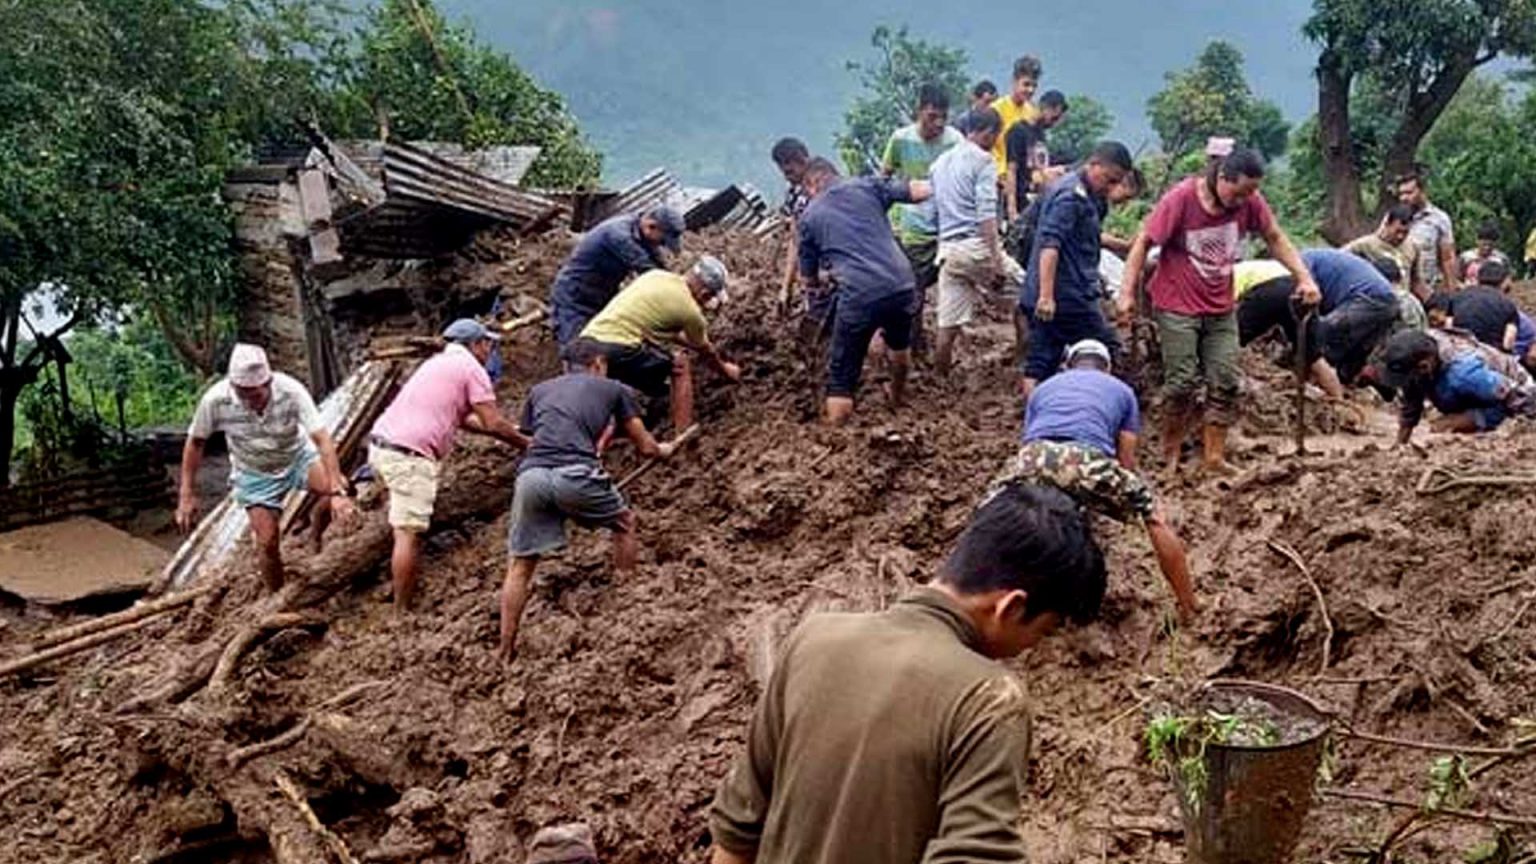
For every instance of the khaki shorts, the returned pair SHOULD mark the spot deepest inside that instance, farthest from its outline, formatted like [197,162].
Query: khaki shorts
[964,283]
[412,484]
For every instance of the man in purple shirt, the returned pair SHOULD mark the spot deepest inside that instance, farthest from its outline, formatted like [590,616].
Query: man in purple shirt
[449,390]
[1080,432]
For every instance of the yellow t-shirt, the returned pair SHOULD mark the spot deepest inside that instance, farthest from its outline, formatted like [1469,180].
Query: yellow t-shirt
[1011,114]
[654,308]
[1246,274]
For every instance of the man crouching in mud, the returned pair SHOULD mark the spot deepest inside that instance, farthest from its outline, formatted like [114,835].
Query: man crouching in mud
[895,736]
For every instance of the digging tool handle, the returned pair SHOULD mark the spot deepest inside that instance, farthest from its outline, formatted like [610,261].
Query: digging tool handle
[651,463]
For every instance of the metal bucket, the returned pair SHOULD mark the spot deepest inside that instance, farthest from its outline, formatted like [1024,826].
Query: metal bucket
[1255,798]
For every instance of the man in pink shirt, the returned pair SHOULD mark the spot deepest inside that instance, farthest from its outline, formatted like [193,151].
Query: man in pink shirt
[1200,225]
[416,431]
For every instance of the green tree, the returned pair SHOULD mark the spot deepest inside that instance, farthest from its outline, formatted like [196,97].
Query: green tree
[1086,124]
[413,76]
[1213,98]
[1483,155]
[1418,53]
[890,84]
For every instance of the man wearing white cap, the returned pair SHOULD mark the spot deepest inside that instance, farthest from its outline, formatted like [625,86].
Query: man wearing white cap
[277,443]
[638,329]
[1080,432]
[451,389]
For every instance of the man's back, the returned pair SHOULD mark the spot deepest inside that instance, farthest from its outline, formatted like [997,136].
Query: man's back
[567,415]
[1484,312]
[602,259]
[1084,406]
[1342,276]
[654,308]
[882,738]
[434,401]
[845,228]
[964,191]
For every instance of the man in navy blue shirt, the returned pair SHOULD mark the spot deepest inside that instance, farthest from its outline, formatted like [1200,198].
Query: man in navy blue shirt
[1061,296]
[1357,313]
[618,248]
[845,231]
[1080,433]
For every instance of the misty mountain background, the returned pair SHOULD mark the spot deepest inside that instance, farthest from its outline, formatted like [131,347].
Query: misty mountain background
[704,87]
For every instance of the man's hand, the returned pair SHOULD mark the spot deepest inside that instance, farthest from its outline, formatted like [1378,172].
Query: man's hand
[186,512]
[1308,293]
[730,370]
[1045,308]
[1125,308]
[665,449]
[343,510]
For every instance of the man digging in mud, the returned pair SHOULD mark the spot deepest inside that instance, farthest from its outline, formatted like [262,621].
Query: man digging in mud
[1475,387]
[1199,226]
[638,328]
[562,477]
[610,253]
[894,736]
[1081,428]
[845,230]
[415,433]
[266,418]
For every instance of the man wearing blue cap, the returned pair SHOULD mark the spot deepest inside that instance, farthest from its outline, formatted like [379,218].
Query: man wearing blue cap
[409,441]
[610,253]
[1081,427]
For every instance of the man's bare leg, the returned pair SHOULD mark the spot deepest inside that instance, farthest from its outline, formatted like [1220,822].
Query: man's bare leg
[322,512]
[1175,427]
[901,365]
[1460,424]
[626,542]
[514,596]
[1173,560]
[944,349]
[402,568]
[839,409]
[1324,376]
[264,524]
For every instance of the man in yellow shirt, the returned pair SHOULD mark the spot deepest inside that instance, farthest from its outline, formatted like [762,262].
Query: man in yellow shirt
[1016,106]
[639,326]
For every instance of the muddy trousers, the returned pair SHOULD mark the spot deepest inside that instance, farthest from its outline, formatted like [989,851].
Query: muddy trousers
[1200,350]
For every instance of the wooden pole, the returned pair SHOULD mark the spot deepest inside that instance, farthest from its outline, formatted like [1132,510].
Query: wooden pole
[127,616]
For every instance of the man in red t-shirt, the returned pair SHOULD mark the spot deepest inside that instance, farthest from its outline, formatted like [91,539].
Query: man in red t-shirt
[1200,225]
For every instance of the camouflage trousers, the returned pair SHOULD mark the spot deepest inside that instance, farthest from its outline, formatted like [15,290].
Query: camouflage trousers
[1091,478]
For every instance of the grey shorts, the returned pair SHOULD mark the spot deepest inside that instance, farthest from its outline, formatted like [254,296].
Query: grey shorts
[546,497]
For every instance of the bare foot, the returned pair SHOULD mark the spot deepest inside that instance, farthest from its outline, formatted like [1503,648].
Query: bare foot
[1219,469]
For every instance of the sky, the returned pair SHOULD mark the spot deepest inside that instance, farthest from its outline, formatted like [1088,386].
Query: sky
[706,87]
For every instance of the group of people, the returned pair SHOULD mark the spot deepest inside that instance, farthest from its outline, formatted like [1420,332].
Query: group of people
[979,213]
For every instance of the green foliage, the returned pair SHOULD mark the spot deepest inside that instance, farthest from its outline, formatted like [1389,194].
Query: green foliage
[889,98]
[1213,98]
[1483,155]
[1178,743]
[423,79]
[1449,783]
[1086,124]
[1407,44]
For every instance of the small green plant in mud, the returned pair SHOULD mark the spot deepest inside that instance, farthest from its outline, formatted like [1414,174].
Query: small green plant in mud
[1449,782]
[1177,744]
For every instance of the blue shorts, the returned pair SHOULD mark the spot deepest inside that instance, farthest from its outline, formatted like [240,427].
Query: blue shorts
[254,489]
[1048,340]
[854,324]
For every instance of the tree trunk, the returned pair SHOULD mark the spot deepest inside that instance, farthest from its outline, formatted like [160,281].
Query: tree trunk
[11,381]
[65,408]
[1424,109]
[1346,217]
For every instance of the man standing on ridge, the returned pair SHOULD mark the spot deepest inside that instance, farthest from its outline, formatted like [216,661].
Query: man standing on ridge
[1016,107]
[982,96]
[791,156]
[845,231]
[1029,156]
[415,433]
[1432,237]
[277,444]
[607,255]
[909,155]
[1199,225]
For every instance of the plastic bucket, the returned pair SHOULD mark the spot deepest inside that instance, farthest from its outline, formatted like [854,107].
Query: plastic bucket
[1255,799]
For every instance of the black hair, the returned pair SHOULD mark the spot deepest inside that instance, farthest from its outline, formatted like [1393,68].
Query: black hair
[1388,269]
[820,166]
[1113,154]
[1027,66]
[1136,179]
[581,352]
[1033,539]
[789,150]
[986,120]
[1489,230]
[932,96]
[984,87]
[1492,273]
[1408,349]
[1440,301]
[1241,162]
[1053,99]
[1416,174]
[1402,213]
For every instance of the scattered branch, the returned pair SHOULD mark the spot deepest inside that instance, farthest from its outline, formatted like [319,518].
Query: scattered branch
[239,757]
[1322,605]
[1437,747]
[1471,815]
[333,842]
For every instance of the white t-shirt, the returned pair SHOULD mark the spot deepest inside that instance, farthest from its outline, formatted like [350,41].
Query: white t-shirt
[266,443]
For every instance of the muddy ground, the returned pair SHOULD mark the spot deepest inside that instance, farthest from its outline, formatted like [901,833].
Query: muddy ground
[630,695]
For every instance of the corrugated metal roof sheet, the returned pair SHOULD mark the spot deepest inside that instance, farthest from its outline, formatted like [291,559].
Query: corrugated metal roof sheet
[654,189]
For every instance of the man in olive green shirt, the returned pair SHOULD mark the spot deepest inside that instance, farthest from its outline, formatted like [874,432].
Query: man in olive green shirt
[640,325]
[895,737]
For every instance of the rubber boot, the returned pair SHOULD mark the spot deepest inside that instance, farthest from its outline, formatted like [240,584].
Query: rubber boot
[1214,458]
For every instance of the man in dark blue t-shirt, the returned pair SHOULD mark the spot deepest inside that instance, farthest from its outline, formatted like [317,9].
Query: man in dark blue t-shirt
[845,231]
[607,255]
[1062,294]
[561,476]
[1080,433]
